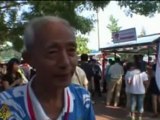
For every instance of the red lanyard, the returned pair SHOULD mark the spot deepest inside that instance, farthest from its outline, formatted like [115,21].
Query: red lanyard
[30,108]
[31,111]
[66,117]
[158,60]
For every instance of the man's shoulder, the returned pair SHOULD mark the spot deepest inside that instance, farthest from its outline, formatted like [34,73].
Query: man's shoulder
[12,101]
[118,64]
[81,96]
[77,88]
[12,94]
[79,92]
[145,75]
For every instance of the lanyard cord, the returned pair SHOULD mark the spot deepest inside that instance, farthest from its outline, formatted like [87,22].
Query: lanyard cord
[66,117]
[30,108]
[31,111]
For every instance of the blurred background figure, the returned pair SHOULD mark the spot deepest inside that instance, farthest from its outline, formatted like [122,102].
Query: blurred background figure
[2,73]
[116,72]
[107,75]
[130,68]
[97,75]
[105,62]
[155,93]
[142,63]
[25,69]
[80,78]
[137,82]
[87,67]
[12,78]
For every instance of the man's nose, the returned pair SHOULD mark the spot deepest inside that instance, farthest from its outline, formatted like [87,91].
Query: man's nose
[64,60]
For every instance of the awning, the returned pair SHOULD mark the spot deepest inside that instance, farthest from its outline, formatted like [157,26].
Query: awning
[142,41]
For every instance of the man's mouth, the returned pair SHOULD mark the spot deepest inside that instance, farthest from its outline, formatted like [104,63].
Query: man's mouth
[64,77]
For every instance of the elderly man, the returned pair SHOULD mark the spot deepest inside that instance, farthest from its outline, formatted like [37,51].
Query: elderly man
[51,49]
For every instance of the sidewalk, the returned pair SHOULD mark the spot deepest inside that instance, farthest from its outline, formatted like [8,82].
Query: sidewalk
[113,113]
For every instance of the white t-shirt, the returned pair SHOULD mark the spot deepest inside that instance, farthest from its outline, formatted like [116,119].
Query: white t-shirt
[137,78]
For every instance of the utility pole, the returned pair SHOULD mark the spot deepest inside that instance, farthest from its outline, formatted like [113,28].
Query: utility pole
[98,29]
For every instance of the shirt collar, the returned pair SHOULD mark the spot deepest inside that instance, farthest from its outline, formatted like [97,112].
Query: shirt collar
[40,113]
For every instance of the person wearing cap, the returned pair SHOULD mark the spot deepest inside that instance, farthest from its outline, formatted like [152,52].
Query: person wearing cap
[51,48]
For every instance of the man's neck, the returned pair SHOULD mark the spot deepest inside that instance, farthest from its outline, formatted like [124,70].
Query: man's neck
[50,97]
[45,91]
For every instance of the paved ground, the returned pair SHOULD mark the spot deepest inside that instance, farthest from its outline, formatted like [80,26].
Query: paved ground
[112,113]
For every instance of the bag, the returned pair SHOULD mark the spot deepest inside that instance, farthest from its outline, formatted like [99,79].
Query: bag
[78,78]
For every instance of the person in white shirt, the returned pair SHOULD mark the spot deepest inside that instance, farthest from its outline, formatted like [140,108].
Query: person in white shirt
[127,75]
[136,82]
[79,78]
[116,72]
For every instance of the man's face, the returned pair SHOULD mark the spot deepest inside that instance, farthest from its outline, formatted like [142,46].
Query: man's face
[54,54]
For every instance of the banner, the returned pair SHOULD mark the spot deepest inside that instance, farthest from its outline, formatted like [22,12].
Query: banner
[124,35]
[158,67]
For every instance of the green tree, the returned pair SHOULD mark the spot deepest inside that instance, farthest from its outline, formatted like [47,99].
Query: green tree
[142,7]
[15,14]
[113,25]
[82,45]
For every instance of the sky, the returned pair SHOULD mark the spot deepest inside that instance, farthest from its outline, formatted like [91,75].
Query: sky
[150,24]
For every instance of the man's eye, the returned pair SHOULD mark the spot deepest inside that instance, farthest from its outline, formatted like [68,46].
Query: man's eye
[52,51]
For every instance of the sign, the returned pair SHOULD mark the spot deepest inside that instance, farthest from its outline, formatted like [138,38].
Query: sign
[124,35]
[158,67]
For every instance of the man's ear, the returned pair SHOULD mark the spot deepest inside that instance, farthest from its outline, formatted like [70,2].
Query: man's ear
[27,57]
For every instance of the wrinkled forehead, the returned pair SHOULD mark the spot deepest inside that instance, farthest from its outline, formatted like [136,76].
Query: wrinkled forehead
[54,32]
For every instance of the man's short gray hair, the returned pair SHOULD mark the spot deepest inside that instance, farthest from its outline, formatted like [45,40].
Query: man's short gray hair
[36,24]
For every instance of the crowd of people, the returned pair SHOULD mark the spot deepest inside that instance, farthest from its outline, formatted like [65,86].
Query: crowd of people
[14,73]
[135,80]
[48,68]
[140,86]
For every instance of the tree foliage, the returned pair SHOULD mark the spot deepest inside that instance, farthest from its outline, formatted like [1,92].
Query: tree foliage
[15,14]
[82,45]
[113,25]
[142,7]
